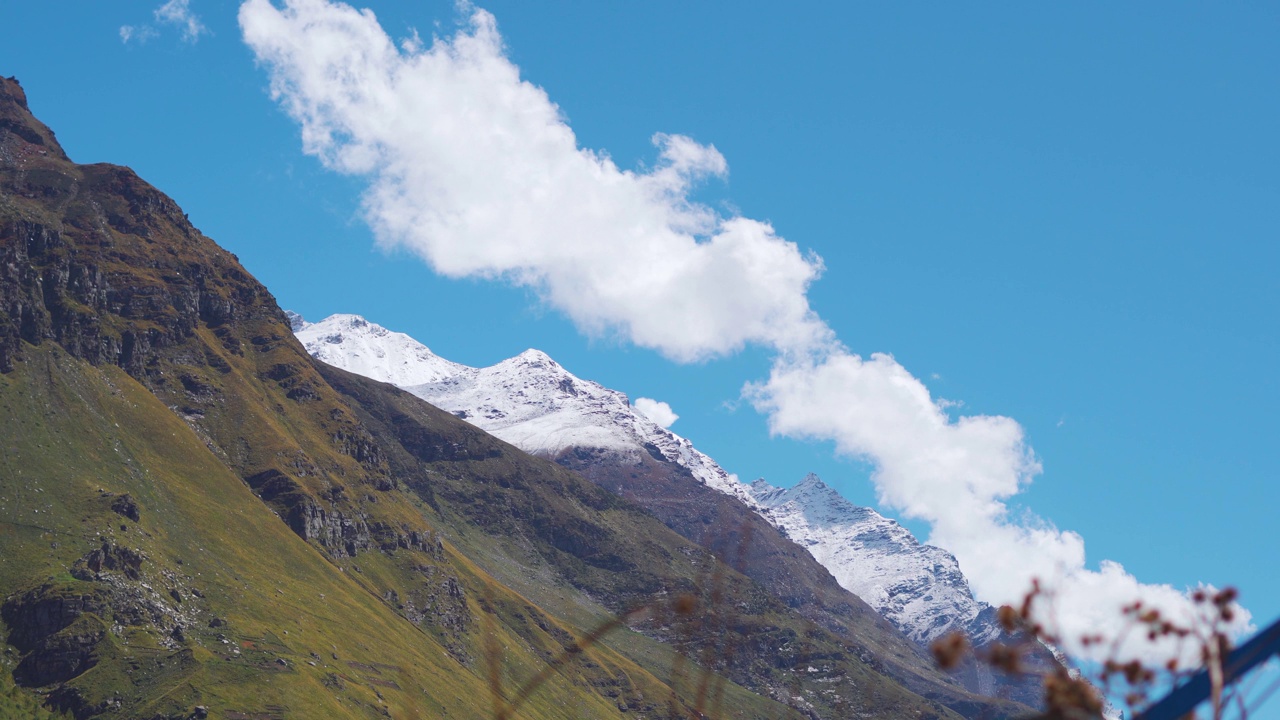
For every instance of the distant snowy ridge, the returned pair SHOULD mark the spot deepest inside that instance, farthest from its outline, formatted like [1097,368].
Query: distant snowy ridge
[529,400]
[535,404]
[917,587]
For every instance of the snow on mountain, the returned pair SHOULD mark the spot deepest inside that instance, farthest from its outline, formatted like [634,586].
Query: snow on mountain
[535,404]
[917,587]
[354,344]
[528,400]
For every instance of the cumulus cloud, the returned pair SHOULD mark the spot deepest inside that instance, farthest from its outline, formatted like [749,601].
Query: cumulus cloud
[477,171]
[178,12]
[659,412]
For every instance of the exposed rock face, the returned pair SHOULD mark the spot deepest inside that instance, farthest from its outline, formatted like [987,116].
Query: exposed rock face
[439,606]
[58,628]
[106,559]
[51,290]
[96,260]
[44,612]
[334,530]
[125,506]
[62,655]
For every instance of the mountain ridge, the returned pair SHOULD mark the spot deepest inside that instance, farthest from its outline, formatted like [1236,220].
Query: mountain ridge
[536,404]
[196,516]
[919,587]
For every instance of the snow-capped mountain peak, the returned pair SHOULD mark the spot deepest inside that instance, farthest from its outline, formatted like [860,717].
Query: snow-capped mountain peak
[365,348]
[534,358]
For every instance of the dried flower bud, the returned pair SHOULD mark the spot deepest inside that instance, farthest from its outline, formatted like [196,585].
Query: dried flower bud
[1008,618]
[950,649]
[684,604]
[1005,657]
[1066,696]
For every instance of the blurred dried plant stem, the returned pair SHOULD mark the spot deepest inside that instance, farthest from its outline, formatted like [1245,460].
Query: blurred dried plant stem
[1071,694]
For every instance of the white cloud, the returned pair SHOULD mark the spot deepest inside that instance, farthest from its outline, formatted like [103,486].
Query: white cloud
[129,33]
[476,171]
[957,475]
[659,412]
[178,12]
[172,12]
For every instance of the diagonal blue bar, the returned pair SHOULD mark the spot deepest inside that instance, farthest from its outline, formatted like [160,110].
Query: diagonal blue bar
[1187,696]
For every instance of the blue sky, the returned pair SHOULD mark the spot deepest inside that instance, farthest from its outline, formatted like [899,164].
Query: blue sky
[1066,216]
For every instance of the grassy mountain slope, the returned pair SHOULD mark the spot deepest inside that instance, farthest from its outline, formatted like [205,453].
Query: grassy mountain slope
[193,513]
[198,600]
[102,266]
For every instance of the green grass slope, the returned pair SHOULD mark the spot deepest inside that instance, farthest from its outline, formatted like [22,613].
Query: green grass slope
[227,607]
